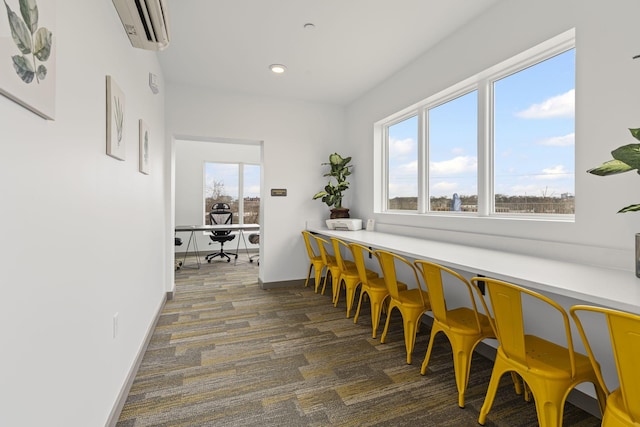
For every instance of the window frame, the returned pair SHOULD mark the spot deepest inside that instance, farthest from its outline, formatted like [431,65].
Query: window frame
[483,84]
[241,188]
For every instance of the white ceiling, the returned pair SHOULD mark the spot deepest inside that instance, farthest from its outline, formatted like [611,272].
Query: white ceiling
[228,45]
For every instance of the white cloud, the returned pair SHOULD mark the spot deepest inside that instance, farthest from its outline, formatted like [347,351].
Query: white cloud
[557,106]
[554,172]
[399,147]
[457,150]
[456,165]
[559,141]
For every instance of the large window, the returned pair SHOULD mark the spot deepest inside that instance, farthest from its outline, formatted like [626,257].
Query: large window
[499,143]
[231,183]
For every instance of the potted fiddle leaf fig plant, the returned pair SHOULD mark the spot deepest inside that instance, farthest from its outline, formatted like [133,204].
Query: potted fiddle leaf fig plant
[625,158]
[332,194]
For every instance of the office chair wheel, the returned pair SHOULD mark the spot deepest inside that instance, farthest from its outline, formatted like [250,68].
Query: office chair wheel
[250,260]
[228,259]
[209,260]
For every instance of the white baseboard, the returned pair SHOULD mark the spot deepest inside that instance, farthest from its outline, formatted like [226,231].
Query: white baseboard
[124,392]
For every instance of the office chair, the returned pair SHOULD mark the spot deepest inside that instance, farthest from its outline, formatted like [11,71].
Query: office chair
[221,215]
[254,239]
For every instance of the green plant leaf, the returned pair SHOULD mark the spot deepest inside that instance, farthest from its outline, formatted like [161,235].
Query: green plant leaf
[630,208]
[19,31]
[629,154]
[29,11]
[319,194]
[41,72]
[610,168]
[23,67]
[635,133]
[42,44]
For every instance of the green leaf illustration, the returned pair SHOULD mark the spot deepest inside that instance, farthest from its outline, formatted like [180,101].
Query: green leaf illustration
[19,31]
[29,11]
[23,67]
[42,44]
[41,72]
[119,117]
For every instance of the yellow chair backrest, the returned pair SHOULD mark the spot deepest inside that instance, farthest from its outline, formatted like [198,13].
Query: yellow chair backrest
[358,252]
[388,265]
[508,320]
[322,249]
[433,275]
[624,333]
[307,242]
[338,246]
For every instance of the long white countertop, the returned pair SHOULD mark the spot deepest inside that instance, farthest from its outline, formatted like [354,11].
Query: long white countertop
[613,288]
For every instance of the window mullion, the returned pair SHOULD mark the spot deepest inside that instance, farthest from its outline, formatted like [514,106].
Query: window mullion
[485,148]
[423,161]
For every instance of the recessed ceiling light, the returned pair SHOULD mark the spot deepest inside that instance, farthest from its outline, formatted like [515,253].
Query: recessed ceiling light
[309,26]
[278,68]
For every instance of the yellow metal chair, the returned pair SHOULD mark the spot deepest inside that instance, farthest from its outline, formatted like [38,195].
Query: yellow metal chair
[374,288]
[464,326]
[549,370]
[316,262]
[348,277]
[412,303]
[329,261]
[623,404]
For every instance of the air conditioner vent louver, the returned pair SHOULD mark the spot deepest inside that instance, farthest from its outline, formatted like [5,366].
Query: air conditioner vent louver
[145,22]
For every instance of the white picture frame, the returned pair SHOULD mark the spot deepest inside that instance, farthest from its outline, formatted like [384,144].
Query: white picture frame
[28,55]
[145,142]
[115,120]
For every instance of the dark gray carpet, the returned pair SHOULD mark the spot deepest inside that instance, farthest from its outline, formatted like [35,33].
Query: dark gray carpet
[226,353]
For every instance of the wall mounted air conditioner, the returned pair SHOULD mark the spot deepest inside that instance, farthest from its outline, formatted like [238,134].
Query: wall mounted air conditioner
[145,22]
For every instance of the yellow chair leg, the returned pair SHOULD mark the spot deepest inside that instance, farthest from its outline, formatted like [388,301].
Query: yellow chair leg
[499,369]
[425,362]
[306,282]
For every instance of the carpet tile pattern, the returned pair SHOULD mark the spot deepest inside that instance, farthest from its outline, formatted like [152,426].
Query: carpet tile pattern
[227,353]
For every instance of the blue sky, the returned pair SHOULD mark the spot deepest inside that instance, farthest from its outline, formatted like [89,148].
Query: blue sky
[534,137]
[229,175]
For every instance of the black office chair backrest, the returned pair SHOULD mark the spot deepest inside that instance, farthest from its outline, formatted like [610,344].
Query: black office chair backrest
[221,214]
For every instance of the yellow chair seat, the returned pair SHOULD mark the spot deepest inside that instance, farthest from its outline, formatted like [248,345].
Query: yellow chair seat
[411,298]
[462,320]
[551,360]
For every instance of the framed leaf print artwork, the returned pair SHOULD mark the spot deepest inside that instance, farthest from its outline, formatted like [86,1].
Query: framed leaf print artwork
[115,120]
[144,148]
[28,54]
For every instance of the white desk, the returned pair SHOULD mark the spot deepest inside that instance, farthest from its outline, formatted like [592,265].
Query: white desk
[219,227]
[595,285]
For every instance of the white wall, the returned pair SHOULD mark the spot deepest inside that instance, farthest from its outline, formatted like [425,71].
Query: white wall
[190,157]
[296,137]
[607,83]
[606,106]
[84,235]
